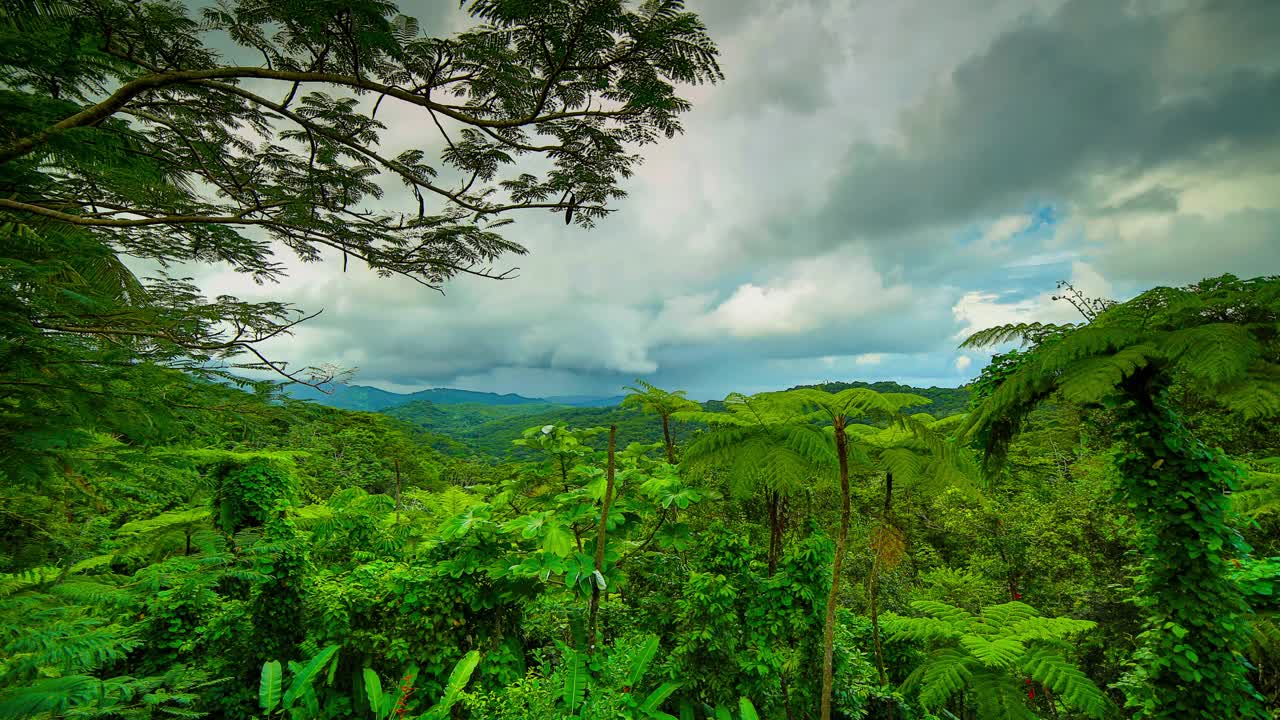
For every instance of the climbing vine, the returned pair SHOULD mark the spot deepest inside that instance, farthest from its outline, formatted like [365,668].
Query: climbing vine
[1189,664]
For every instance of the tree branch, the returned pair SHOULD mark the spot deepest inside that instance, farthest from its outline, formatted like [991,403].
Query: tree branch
[118,99]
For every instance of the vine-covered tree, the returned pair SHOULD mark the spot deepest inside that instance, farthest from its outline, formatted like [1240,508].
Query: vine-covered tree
[1223,336]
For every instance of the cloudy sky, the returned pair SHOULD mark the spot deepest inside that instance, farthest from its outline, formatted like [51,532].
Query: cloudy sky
[873,179]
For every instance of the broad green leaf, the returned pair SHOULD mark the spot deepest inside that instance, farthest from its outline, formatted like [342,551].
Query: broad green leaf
[302,680]
[575,683]
[557,540]
[269,686]
[643,657]
[656,698]
[457,681]
[373,691]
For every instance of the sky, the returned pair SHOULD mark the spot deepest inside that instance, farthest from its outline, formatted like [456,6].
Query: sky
[873,180]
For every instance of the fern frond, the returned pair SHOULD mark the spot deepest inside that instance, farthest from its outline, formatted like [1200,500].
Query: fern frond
[85,592]
[1009,613]
[808,442]
[1260,494]
[1022,332]
[995,698]
[923,630]
[71,646]
[949,614]
[1090,380]
[1041,628]
[710,418]
[1085,342]
[1066,681]
[1257,395]
[904,463]
[51,696]
[947,672]
[1216,354]
[1001,652]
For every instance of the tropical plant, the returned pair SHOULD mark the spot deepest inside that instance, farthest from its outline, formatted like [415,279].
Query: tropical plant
[274,699]
[996,658]
[756,442]
[784,433]
[662,403]
[1223,334]
[914,454]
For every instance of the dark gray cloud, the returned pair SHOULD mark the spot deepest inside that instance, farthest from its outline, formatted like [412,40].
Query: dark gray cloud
[1061,110]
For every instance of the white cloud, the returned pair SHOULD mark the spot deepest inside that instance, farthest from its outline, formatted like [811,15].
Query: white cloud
[1000,232]
[963,362]
[979,310]
[810,294]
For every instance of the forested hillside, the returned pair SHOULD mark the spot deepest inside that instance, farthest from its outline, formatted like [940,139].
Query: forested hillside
[491,429]
[1089,529]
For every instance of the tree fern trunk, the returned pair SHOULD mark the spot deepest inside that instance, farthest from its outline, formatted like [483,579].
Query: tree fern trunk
[888,494]
[666,438]
[876,645]
[1187,663]
[775,531]
[873,590]
[829,621]
[600,539]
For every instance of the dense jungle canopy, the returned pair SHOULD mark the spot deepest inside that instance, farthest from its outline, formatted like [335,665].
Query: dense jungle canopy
[193,528]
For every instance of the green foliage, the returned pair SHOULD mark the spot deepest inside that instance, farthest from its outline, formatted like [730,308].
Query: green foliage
[301,561]
[1221,336]
[988,655]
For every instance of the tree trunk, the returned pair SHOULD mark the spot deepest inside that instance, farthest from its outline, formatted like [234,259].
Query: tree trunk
[888,494]
[874,592]
[829,622]
[873,589]
[600,538]
[397,461]
[666,438]
[775,531]
[1196,618]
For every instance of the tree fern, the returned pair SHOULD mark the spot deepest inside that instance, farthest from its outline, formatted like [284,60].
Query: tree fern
[662,403]
[989,656]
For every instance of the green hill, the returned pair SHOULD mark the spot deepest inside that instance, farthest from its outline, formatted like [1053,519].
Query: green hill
[490,429]
[459,419]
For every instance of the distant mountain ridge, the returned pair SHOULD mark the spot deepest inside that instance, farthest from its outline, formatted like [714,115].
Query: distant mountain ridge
[371,399]
[946,401]
[585,400]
